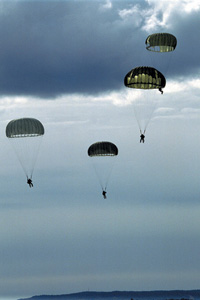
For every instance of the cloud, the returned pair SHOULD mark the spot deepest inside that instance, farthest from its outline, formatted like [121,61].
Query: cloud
[106,5]
[132,15]
[51,49]
[43,230]
[185,93]
[190,6]
[160,15]
[74,55]
[165,110]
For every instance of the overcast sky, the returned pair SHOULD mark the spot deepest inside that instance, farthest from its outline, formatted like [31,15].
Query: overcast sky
[64,62]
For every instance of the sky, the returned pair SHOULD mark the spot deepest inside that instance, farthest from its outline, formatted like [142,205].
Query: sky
[63,63]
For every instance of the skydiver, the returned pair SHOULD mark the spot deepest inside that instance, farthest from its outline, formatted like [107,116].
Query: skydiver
[160,89]
[142,137]
[29,182]
[104,194]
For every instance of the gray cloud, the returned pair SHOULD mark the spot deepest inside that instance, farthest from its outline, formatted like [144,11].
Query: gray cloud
[50,48]
[61,236]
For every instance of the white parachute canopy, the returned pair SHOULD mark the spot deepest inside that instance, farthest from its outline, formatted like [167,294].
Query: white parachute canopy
[25,135]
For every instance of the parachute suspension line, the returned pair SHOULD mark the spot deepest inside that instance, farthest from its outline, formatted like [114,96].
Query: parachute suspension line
[165,62]
[169,63]
[36,156]
[24,149]
[104,181]
[147,121]
[108,177]
[137,119]
[20,161]
[150,116]
[98,176]
[151,58]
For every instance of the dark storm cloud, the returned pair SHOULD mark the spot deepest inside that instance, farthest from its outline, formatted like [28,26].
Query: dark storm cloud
[184,61]
[187,55]
[50,48]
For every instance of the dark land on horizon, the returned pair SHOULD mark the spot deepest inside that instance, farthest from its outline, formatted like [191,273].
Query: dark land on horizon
[124,295]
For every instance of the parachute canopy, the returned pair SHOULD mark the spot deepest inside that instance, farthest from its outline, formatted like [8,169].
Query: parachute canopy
[161,42]
[103,149]
[145,78]
[19,132]
[25,127]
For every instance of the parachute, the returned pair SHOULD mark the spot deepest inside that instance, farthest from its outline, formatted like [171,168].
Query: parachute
[103,157]
[161,42]
[25,135]
[25,127]
[102,149]
[160,47]
[145,79]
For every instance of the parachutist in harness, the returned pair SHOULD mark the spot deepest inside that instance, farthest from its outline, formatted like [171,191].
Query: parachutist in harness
[160,90]
[104,194]
[142,137]
[29,182]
